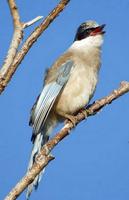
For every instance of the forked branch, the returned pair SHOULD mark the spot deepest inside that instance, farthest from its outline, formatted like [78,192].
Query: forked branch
[14,57]
[43,158]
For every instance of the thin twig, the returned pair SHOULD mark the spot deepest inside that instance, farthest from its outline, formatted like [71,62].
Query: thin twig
[43,158]
[10,70]
[29,23]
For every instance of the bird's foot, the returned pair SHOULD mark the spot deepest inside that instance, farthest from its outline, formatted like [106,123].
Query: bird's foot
[70,118]
[85,112]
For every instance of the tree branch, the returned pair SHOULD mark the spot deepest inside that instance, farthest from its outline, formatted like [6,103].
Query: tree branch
[13,60]
[44,157]
[16,39]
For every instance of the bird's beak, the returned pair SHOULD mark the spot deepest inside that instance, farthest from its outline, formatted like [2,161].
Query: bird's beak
[98,30]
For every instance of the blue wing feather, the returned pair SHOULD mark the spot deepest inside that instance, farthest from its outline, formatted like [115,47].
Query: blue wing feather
[49,95]
[45,106]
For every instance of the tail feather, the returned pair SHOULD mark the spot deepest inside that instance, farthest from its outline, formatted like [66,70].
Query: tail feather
[39,140]
[36,148]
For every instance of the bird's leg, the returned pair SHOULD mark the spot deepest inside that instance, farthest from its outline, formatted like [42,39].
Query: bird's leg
[72,118]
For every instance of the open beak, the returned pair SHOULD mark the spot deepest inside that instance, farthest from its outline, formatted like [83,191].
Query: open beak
[98,30]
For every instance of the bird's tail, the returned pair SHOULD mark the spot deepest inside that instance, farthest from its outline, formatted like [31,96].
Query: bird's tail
[39,141]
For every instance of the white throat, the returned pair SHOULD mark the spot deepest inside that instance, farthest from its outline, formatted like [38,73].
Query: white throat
[89,42]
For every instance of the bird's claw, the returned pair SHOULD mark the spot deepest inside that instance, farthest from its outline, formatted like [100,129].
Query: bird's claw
[72,119]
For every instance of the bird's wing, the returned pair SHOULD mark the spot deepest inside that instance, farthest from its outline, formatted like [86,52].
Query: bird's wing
[41,109]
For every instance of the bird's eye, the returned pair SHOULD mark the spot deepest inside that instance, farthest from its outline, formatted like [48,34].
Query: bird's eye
[88,30]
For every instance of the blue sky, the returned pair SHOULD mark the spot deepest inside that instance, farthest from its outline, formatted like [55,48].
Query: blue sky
[93,162]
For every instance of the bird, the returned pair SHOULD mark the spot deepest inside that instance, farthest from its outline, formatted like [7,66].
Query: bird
[69,85]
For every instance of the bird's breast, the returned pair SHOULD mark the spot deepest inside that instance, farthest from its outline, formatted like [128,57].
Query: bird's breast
[78,90]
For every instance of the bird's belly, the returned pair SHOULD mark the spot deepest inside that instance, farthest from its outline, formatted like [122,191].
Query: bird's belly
[78,90]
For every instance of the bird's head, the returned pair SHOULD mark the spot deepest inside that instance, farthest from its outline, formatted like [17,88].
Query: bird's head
[89,35]
[89,28]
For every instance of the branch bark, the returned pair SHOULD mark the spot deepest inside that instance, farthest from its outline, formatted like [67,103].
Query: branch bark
[16,39]
[44,157]
[14,58]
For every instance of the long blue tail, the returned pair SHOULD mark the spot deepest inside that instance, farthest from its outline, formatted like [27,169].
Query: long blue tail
[39,142]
